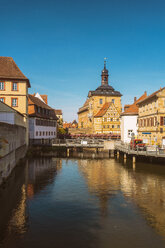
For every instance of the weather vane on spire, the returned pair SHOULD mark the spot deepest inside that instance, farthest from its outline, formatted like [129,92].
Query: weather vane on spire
[105,59]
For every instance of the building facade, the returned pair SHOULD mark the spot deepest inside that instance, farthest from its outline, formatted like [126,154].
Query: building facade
[152,119]
[58,113]
[88,113]
[129,120]
[42,121]
[14,88]
[107,120]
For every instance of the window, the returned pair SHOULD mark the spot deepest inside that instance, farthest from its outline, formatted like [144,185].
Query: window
[2,99]
[101,101]
[108,126]
[43,133]
[15,86]
[112,126]
[105,119]
[103,126]
[40,133]
[118,126]
[113,100]
[105,79]
[130,133]
[37,133]
[14,102]
[111,119]
[2,86]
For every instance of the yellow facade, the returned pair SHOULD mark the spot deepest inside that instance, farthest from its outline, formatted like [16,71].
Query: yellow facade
[21,94]
[109,122]
[86,114]
[95,103]
[152,119]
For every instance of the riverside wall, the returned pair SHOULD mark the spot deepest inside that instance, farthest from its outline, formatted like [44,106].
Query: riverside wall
[12,148]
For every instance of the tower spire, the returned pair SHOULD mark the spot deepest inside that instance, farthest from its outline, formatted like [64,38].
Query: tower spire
[105,60]
[104,74]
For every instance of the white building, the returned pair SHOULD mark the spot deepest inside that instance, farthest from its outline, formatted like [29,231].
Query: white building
[129,120]
[10,115]
[42,121]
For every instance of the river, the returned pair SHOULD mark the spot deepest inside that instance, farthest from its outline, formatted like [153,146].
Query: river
[81,203]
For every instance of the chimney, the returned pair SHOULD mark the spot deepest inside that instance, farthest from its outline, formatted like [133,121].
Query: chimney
[135,99]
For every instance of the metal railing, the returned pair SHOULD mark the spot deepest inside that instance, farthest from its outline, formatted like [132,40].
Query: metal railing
[79,142]
[147,151]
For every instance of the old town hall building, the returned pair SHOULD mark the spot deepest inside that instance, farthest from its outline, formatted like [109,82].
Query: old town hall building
[101,111]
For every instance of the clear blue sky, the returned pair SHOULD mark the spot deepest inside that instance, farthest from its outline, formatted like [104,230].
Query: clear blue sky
[60,46]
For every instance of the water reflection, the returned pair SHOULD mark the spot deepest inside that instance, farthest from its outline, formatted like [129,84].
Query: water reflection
[83,203]
[144,184]
[25,181]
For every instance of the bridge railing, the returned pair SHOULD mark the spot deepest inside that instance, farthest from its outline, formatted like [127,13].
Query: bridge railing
[149,150]
[86,141]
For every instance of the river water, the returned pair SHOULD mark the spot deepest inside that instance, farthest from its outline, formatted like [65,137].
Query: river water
[98,203]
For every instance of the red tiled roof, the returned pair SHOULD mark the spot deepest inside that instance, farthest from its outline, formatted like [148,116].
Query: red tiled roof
[32,100]
[45,98]
[152,95]
[133,108]
[10,70]
[103,110]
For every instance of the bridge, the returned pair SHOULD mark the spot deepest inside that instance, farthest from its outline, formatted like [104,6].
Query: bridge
[151,152]
[78,143]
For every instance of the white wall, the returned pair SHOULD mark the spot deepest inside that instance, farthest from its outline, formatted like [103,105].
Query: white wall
[7,117]
[33,128]
[128,123]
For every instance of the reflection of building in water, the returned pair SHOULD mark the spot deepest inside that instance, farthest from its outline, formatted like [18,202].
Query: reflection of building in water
[147,190]
[102,178]
[41,170]
[105,177]
[13,217]
[18,220]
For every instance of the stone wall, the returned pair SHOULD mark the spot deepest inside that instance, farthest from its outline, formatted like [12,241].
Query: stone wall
[12,148]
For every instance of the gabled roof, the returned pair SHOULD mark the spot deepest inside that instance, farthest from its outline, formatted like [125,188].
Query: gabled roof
[151,96]
[133,108]
[104,109]
[32,100]
[10,70]
[36,101]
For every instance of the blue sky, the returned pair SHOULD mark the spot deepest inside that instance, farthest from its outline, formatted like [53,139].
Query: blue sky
[60,46]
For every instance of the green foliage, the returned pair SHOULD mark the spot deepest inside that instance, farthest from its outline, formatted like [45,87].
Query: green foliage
[61,130]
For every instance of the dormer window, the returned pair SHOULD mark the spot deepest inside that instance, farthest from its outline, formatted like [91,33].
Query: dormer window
[15,86]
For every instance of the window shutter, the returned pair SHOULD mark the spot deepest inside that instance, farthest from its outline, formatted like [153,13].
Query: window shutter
[161,120]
